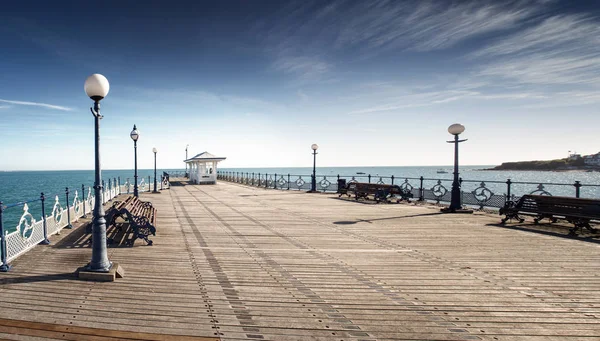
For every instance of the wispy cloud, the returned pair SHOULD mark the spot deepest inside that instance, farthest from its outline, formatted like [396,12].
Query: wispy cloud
[179,96]
[306,68]
[303,96]
[421,26]
[566,99]
[419,99]
[4,106]
[44,105]
[310,39]
[392,97]
[427,26]
[558,50]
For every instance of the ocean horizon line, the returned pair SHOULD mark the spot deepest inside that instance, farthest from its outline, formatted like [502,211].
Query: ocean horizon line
[232,167]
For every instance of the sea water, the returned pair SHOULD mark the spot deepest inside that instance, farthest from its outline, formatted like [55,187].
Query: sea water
[21,186]
[18,187]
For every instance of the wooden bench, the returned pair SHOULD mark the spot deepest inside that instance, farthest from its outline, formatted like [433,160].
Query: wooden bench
[380,192]
[141,216]
[576,211]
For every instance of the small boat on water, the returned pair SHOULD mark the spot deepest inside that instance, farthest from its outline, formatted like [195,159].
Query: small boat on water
[360,173]
[442,171]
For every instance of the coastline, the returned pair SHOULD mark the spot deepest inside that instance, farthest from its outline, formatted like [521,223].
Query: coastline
[542,170]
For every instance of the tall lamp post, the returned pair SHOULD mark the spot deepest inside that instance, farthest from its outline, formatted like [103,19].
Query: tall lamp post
[313,184]
[186,157]
[154,151]
[455,202]
[96,87]
[135,135]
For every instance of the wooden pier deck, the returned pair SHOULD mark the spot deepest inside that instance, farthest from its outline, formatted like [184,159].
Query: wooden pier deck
[231,262]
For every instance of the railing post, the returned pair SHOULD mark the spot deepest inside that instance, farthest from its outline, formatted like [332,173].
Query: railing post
[69,226]
[577,189]
[275,182]
[119,183]
[288,182]
[128,185]
[266,181]
[4,267]
[45,241]
[421,190]
[369,178]
[83,199]
[508,183]
[149,177]
[392,179]
[103,196]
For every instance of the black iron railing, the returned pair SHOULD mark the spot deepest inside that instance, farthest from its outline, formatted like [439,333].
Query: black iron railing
[477,193]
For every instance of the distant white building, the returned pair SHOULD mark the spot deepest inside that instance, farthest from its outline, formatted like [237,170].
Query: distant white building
[203,168]
[592,160]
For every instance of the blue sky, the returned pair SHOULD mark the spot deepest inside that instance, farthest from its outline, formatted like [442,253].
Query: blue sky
[372,82]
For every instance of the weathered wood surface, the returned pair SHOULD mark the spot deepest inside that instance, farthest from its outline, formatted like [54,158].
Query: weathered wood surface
[235,262]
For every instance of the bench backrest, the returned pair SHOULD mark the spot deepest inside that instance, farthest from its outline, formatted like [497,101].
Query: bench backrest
[368,187]
[567,206]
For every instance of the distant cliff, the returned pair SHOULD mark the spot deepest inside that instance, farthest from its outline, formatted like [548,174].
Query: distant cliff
[546,165]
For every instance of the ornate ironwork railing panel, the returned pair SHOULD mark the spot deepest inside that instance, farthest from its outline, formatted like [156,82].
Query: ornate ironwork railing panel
[282,182]
[299,183]
[29,231]
[77,207]
[475,193]
[21,241]
[142,185]
[324,185]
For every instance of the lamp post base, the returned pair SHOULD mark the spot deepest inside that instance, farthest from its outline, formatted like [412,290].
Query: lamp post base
[456,210]
[114,272]
[5,268]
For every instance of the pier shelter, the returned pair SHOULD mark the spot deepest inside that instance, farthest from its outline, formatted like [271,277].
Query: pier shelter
[203,168]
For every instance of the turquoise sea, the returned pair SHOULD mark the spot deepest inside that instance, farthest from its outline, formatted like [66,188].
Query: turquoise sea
[21,186]
[17,187]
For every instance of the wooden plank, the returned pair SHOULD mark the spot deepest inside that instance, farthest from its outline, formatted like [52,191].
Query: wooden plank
[233,262]
[66,332]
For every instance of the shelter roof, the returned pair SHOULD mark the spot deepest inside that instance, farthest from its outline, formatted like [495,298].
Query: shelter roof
[205,157]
